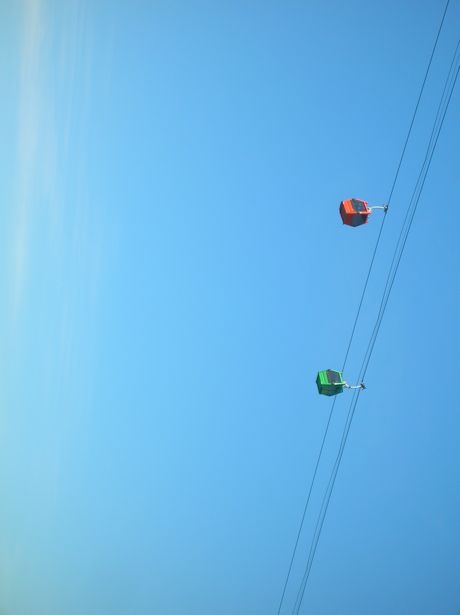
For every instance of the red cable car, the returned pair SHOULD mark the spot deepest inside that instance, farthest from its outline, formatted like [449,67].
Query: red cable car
[355,212]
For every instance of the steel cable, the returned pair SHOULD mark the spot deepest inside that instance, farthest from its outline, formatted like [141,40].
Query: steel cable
[360,307]
[437,126]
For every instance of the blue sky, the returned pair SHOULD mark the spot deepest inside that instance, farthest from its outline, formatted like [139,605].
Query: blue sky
[174,272]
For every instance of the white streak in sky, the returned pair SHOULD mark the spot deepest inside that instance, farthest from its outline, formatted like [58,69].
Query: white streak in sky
[30,103]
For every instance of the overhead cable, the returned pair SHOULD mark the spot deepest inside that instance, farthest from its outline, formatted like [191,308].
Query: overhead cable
[407,224]
[358,312]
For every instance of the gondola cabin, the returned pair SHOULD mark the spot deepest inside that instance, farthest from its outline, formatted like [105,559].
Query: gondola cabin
[330,382]
[354,212]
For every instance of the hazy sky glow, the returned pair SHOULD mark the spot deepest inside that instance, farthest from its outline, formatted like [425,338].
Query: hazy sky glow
[174,272]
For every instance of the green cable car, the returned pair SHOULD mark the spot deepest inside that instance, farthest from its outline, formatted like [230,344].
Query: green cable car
[330,382]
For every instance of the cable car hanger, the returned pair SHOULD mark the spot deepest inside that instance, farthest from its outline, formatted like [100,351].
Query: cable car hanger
[330,382]
[355,212]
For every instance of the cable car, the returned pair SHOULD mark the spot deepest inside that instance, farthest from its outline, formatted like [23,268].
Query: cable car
[330,382]
[355,212]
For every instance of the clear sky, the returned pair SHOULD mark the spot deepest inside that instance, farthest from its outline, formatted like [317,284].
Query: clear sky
[173,274]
